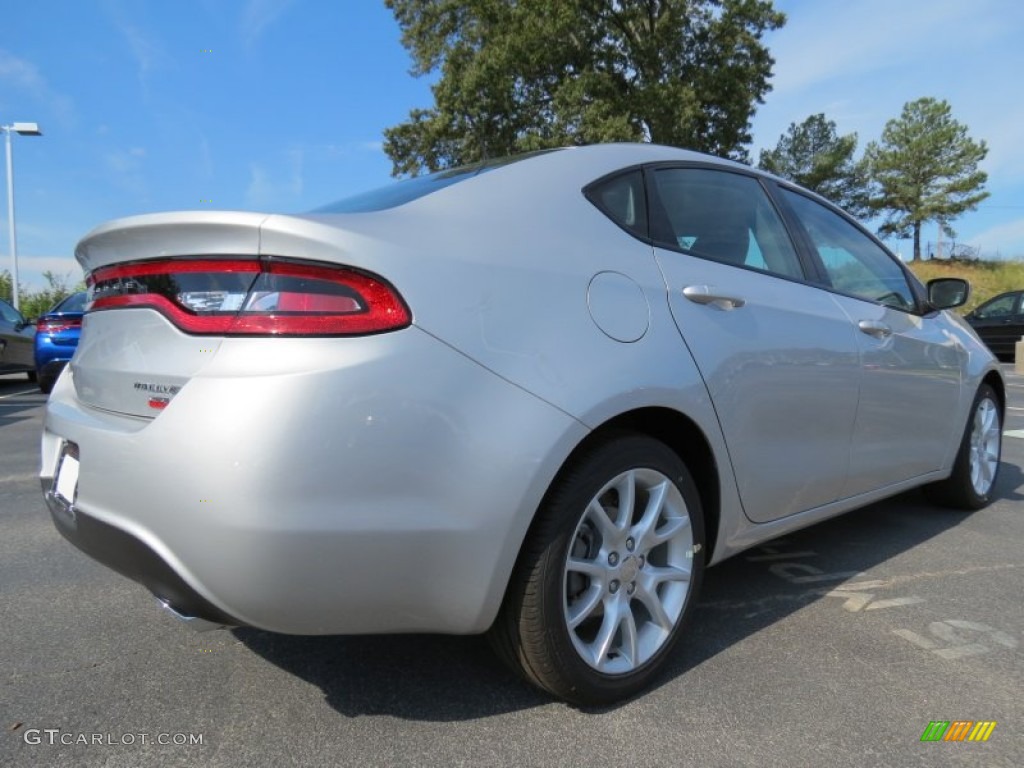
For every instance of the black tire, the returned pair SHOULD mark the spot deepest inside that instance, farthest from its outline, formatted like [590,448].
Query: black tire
[46,384]
[532,632]
[959,490]
[31,375]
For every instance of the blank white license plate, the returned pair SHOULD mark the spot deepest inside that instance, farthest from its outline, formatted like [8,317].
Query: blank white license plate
[66,482]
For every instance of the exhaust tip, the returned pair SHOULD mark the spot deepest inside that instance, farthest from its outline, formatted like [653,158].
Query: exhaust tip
[195,623]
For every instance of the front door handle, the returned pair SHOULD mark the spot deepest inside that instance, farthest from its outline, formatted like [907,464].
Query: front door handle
[705,294]
[875,328]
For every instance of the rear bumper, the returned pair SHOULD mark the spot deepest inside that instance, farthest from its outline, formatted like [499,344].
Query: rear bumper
[51,350]
[339,486]
[131,557]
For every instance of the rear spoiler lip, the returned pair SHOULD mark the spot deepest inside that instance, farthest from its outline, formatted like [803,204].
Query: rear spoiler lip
[167,235]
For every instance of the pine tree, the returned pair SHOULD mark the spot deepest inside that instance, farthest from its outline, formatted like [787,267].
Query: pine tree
[925,168]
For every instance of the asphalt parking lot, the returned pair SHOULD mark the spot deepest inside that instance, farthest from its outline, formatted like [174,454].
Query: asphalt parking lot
[836,646]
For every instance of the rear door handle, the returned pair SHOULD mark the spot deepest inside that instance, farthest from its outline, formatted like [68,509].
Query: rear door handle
[705,294]
[875,328]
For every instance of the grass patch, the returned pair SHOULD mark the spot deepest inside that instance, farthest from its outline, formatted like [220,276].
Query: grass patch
[987,278]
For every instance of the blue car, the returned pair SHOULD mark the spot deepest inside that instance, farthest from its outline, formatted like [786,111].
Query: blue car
[57,335]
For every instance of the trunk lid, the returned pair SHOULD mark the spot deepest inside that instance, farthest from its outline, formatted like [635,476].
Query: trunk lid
[133,361]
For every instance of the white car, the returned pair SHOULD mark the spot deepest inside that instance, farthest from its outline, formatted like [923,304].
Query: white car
[535,397]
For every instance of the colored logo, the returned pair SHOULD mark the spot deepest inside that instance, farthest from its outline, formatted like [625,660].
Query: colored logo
[958,730]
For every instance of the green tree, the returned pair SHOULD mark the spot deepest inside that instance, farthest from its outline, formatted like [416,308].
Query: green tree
[813,155]
[38,302]
[34,303]
[518,75]
[5,285]
[925,168]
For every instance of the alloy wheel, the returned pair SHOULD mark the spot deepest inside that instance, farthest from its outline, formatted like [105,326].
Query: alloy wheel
[628,571]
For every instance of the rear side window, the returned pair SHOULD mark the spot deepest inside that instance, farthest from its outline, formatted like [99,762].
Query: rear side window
[623,200]
[724,217]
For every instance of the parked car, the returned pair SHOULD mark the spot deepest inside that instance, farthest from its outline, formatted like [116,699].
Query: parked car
[533,398]
[56,339]
[1000,323]
[15,342]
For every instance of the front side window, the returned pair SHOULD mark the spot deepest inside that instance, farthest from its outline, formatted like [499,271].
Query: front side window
[10,314]
[725,217]
[854,263]
[1001,306]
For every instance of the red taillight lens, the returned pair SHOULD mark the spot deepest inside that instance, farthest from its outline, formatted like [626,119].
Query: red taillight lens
[249,298]
[58,324]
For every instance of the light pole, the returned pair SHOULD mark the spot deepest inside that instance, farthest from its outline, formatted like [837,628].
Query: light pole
[25,129]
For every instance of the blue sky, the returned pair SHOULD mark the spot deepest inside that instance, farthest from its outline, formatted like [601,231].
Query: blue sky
[149,105]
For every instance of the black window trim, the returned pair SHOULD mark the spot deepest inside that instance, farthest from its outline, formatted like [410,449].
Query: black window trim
[590,193]
[16,312]
[807,265]
[815,274]
[921,309]
[1017,304]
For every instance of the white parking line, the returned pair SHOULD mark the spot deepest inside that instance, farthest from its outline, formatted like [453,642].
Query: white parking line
[15,394]
[1014,433]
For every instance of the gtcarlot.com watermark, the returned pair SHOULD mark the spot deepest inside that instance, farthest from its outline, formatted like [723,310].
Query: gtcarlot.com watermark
[57,737]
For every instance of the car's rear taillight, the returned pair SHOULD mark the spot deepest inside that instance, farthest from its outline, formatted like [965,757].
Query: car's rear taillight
[233,297]
[58,324]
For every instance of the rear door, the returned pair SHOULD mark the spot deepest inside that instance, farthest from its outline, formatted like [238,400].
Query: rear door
[910,388]
[779,356]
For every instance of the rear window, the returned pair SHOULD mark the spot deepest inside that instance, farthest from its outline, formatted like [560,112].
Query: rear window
[407,190]
[73,303]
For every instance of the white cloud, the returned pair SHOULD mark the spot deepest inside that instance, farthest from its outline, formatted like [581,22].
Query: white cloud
[25,76]
[125,160]
[260,190]
[859,63]
[1001,128]
[125,167]
[295,160]
[826,40]
[265,191]
[350,148]
[146,50]
[1007,239]
[205,157]
[31,269]
[258,16]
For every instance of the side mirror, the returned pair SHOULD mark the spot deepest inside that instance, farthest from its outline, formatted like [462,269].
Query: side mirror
[948,292]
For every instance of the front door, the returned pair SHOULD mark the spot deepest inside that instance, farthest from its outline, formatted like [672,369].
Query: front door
[910,387]
[999,324]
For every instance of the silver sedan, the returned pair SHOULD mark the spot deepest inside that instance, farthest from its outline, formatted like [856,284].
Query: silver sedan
[533,397]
